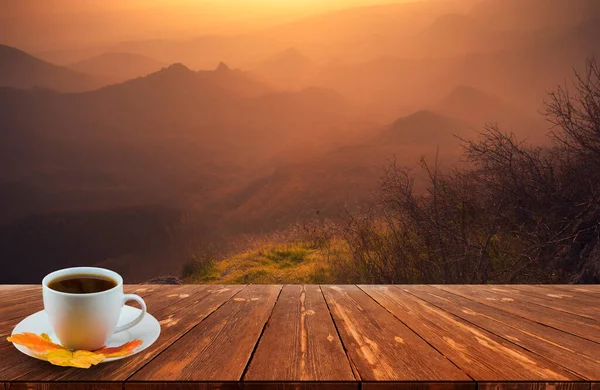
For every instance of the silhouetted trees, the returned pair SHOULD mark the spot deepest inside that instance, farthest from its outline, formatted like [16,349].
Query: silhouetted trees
[513,213]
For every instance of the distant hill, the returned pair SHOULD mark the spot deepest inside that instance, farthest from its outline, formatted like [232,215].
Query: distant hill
[341,179]
[21,70]
[391,86]
[205,52]
[288,69]
[242,83]
[477,107]
[426,128]
[118,66]
[521,74]
[467,102]
[160,136]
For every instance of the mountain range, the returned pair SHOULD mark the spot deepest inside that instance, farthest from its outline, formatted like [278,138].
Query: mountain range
[117,66]
[21,70]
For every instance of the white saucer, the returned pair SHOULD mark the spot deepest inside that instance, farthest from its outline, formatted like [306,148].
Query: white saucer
[148,331]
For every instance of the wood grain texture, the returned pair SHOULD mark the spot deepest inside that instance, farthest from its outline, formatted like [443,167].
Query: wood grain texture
[479,353]
[63,385]
[302,339]
[301,386]
[21,302]
[577,354]
[574,302]
[580,326]
[183,386]
[533,386]
[419,386]
[583,289]
[8,290]
[381,347]
[220,347]
[183,308]
[212,335]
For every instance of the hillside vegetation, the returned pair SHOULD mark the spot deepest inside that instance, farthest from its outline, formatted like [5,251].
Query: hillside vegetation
[292,262]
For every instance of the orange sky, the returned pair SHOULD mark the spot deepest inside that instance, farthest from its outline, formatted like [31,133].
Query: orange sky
[55,24]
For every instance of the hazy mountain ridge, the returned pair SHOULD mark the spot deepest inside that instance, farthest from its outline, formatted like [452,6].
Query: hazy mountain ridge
[21,70]
[341,179]
[117,66]
[176,123]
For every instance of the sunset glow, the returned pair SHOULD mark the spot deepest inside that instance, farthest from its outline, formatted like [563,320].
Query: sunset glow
[55,24]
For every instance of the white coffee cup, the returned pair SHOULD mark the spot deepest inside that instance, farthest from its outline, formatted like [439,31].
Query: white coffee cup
[86,321]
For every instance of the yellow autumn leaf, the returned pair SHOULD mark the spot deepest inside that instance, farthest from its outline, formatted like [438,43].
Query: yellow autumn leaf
[44,348]
[79,359]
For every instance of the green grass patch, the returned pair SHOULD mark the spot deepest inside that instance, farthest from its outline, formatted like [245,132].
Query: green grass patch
[290,263]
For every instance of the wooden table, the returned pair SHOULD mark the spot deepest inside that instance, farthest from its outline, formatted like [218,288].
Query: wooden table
[339,337]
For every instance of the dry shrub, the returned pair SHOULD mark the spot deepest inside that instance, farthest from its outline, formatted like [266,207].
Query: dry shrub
[513,213]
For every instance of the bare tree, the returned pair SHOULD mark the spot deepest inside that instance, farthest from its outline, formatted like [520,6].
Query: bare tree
[515,213]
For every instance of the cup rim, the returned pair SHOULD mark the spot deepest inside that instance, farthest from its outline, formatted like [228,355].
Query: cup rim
[92,270]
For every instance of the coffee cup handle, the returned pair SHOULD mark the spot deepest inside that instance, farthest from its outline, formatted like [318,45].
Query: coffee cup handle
[138,299]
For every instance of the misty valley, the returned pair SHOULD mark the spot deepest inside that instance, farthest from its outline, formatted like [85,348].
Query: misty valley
[431,141]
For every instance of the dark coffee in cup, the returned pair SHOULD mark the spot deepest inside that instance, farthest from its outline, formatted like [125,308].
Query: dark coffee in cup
[82,284]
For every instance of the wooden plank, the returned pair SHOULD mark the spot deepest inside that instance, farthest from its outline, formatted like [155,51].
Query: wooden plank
[301,386]
[219,348]
[63,385]
[584,289]
[574,353]
[581,292]
[156,300]
[580,326]
[21,303]
[548,297]
[8,290]
[586,305]
[7,326]
[183,386]
[479,353]
[144,290]
[180,314]
[534,386]
[419,386]
[302,339]
[381,347]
